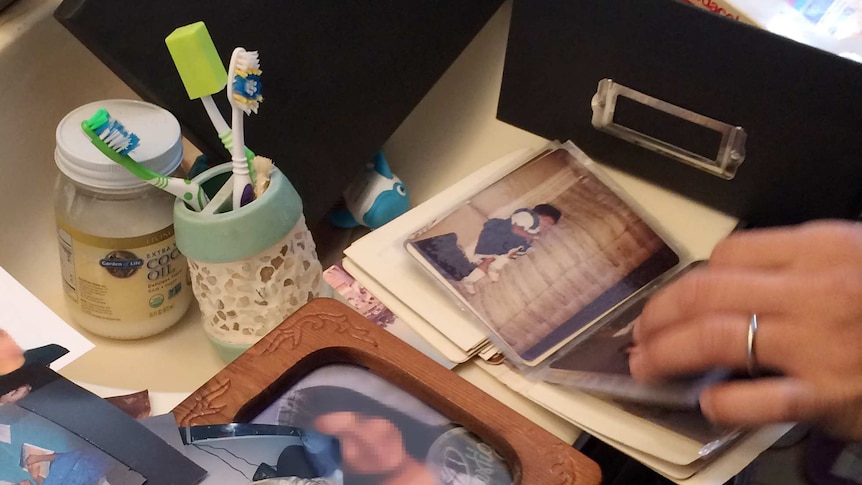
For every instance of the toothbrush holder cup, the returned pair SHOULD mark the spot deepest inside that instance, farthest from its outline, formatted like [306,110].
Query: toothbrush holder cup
[250,268]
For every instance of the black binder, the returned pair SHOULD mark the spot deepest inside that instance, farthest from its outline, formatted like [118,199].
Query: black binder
[669,76]
[338,77]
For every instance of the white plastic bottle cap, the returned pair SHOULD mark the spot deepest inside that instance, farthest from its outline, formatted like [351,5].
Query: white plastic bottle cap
[161,147]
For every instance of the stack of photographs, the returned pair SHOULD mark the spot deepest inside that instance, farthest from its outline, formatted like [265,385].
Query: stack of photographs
[551,262]
[556,264]
[541,254]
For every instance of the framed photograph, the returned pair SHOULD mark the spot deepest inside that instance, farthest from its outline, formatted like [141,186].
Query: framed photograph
[329,370]
[384,432]
[543,253]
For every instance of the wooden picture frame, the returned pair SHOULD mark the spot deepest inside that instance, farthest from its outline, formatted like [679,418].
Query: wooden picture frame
[326,331]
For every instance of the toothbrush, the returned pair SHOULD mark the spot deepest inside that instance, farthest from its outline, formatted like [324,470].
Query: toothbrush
[243,94]
[115,141]
[203,74]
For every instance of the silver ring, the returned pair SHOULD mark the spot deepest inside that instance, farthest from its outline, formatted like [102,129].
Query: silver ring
[751,355]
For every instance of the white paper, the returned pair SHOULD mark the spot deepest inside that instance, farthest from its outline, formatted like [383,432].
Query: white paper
[32,324]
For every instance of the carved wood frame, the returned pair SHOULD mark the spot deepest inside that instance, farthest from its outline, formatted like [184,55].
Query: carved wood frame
[325,332]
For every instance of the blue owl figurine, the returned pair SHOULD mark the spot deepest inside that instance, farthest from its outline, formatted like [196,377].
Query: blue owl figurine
[374,198]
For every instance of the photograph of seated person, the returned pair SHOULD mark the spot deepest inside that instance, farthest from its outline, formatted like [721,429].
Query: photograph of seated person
[502,240]
[587,249]
[20,371]
[783,305]
[387,437]
[499,241]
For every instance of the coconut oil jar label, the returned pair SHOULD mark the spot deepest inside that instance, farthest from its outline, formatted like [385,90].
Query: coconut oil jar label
[122,282]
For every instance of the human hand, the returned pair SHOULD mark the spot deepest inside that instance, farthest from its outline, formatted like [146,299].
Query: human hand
[805,285]
[11,355]
[485,264]
[34,459]
[515,253]
[15,395]
[523,233]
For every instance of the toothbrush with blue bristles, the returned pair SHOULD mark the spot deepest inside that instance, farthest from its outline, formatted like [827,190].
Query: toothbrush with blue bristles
[243,93]
[115,141]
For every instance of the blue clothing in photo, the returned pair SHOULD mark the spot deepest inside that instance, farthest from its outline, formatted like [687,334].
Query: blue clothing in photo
[79,467]
[446,255]
[497,238]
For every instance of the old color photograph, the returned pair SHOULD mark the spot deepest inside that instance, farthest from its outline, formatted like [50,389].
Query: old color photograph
[542,253]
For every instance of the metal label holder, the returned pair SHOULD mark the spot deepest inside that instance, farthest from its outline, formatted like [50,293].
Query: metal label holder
[731,150]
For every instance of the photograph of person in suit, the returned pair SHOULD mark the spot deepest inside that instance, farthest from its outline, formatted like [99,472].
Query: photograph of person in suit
[503,240]
[27,383]
[38,451]
[23,371]
[500,241]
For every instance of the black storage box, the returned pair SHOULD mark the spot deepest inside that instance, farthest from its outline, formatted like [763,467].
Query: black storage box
[680,75]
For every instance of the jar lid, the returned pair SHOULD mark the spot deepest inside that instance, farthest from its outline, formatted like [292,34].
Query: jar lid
[160,149]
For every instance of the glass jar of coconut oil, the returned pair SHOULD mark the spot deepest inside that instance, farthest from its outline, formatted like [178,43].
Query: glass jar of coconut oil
[122,273]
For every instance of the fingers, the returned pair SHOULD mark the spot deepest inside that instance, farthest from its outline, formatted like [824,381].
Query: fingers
[804,285]
[754,402]
[814,245]
[702,292]
[763,248]
[713,341]
[718,340]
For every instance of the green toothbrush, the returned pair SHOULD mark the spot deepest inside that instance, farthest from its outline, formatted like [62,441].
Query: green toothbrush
[115,141]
